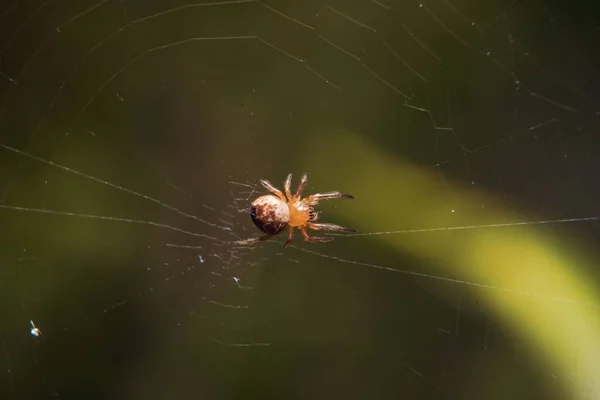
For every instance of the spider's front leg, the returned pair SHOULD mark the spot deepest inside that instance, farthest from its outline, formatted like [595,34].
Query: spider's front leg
[314,239]
[313,199]
[330,227]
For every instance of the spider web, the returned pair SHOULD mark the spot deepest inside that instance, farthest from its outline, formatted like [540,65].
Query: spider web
[132,137]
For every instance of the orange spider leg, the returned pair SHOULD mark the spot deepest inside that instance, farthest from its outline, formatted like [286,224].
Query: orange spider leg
[314,239]
[329,227]
[287,185]
[272,189]
[289,238]
[301,187]
[313,199]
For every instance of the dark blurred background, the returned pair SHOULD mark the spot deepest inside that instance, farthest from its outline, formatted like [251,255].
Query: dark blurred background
[132,138]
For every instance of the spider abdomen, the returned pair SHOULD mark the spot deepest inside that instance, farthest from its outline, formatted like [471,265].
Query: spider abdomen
[270,214]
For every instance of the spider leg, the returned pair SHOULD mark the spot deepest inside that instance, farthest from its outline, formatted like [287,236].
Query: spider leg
[329,227]
[315,198]
[301,186]
[287,185]
[314,239]
[272,189]
[289,238]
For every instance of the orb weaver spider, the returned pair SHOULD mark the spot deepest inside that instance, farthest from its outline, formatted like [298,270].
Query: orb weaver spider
[272,213]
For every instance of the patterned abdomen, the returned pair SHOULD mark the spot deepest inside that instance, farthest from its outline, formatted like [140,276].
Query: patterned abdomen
[270,214]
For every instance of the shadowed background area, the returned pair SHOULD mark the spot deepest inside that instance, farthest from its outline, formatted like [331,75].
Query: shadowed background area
[133,135]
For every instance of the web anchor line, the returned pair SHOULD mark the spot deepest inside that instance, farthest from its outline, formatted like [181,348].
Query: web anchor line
[466,227]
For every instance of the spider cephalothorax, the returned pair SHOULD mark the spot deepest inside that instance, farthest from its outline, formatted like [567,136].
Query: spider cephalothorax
[272,213]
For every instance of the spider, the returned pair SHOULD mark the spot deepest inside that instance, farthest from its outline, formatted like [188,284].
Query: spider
[272,213]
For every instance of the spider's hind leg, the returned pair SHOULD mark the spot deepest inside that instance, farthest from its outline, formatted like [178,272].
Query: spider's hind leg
[287,187]
[272,189]
[330,227]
